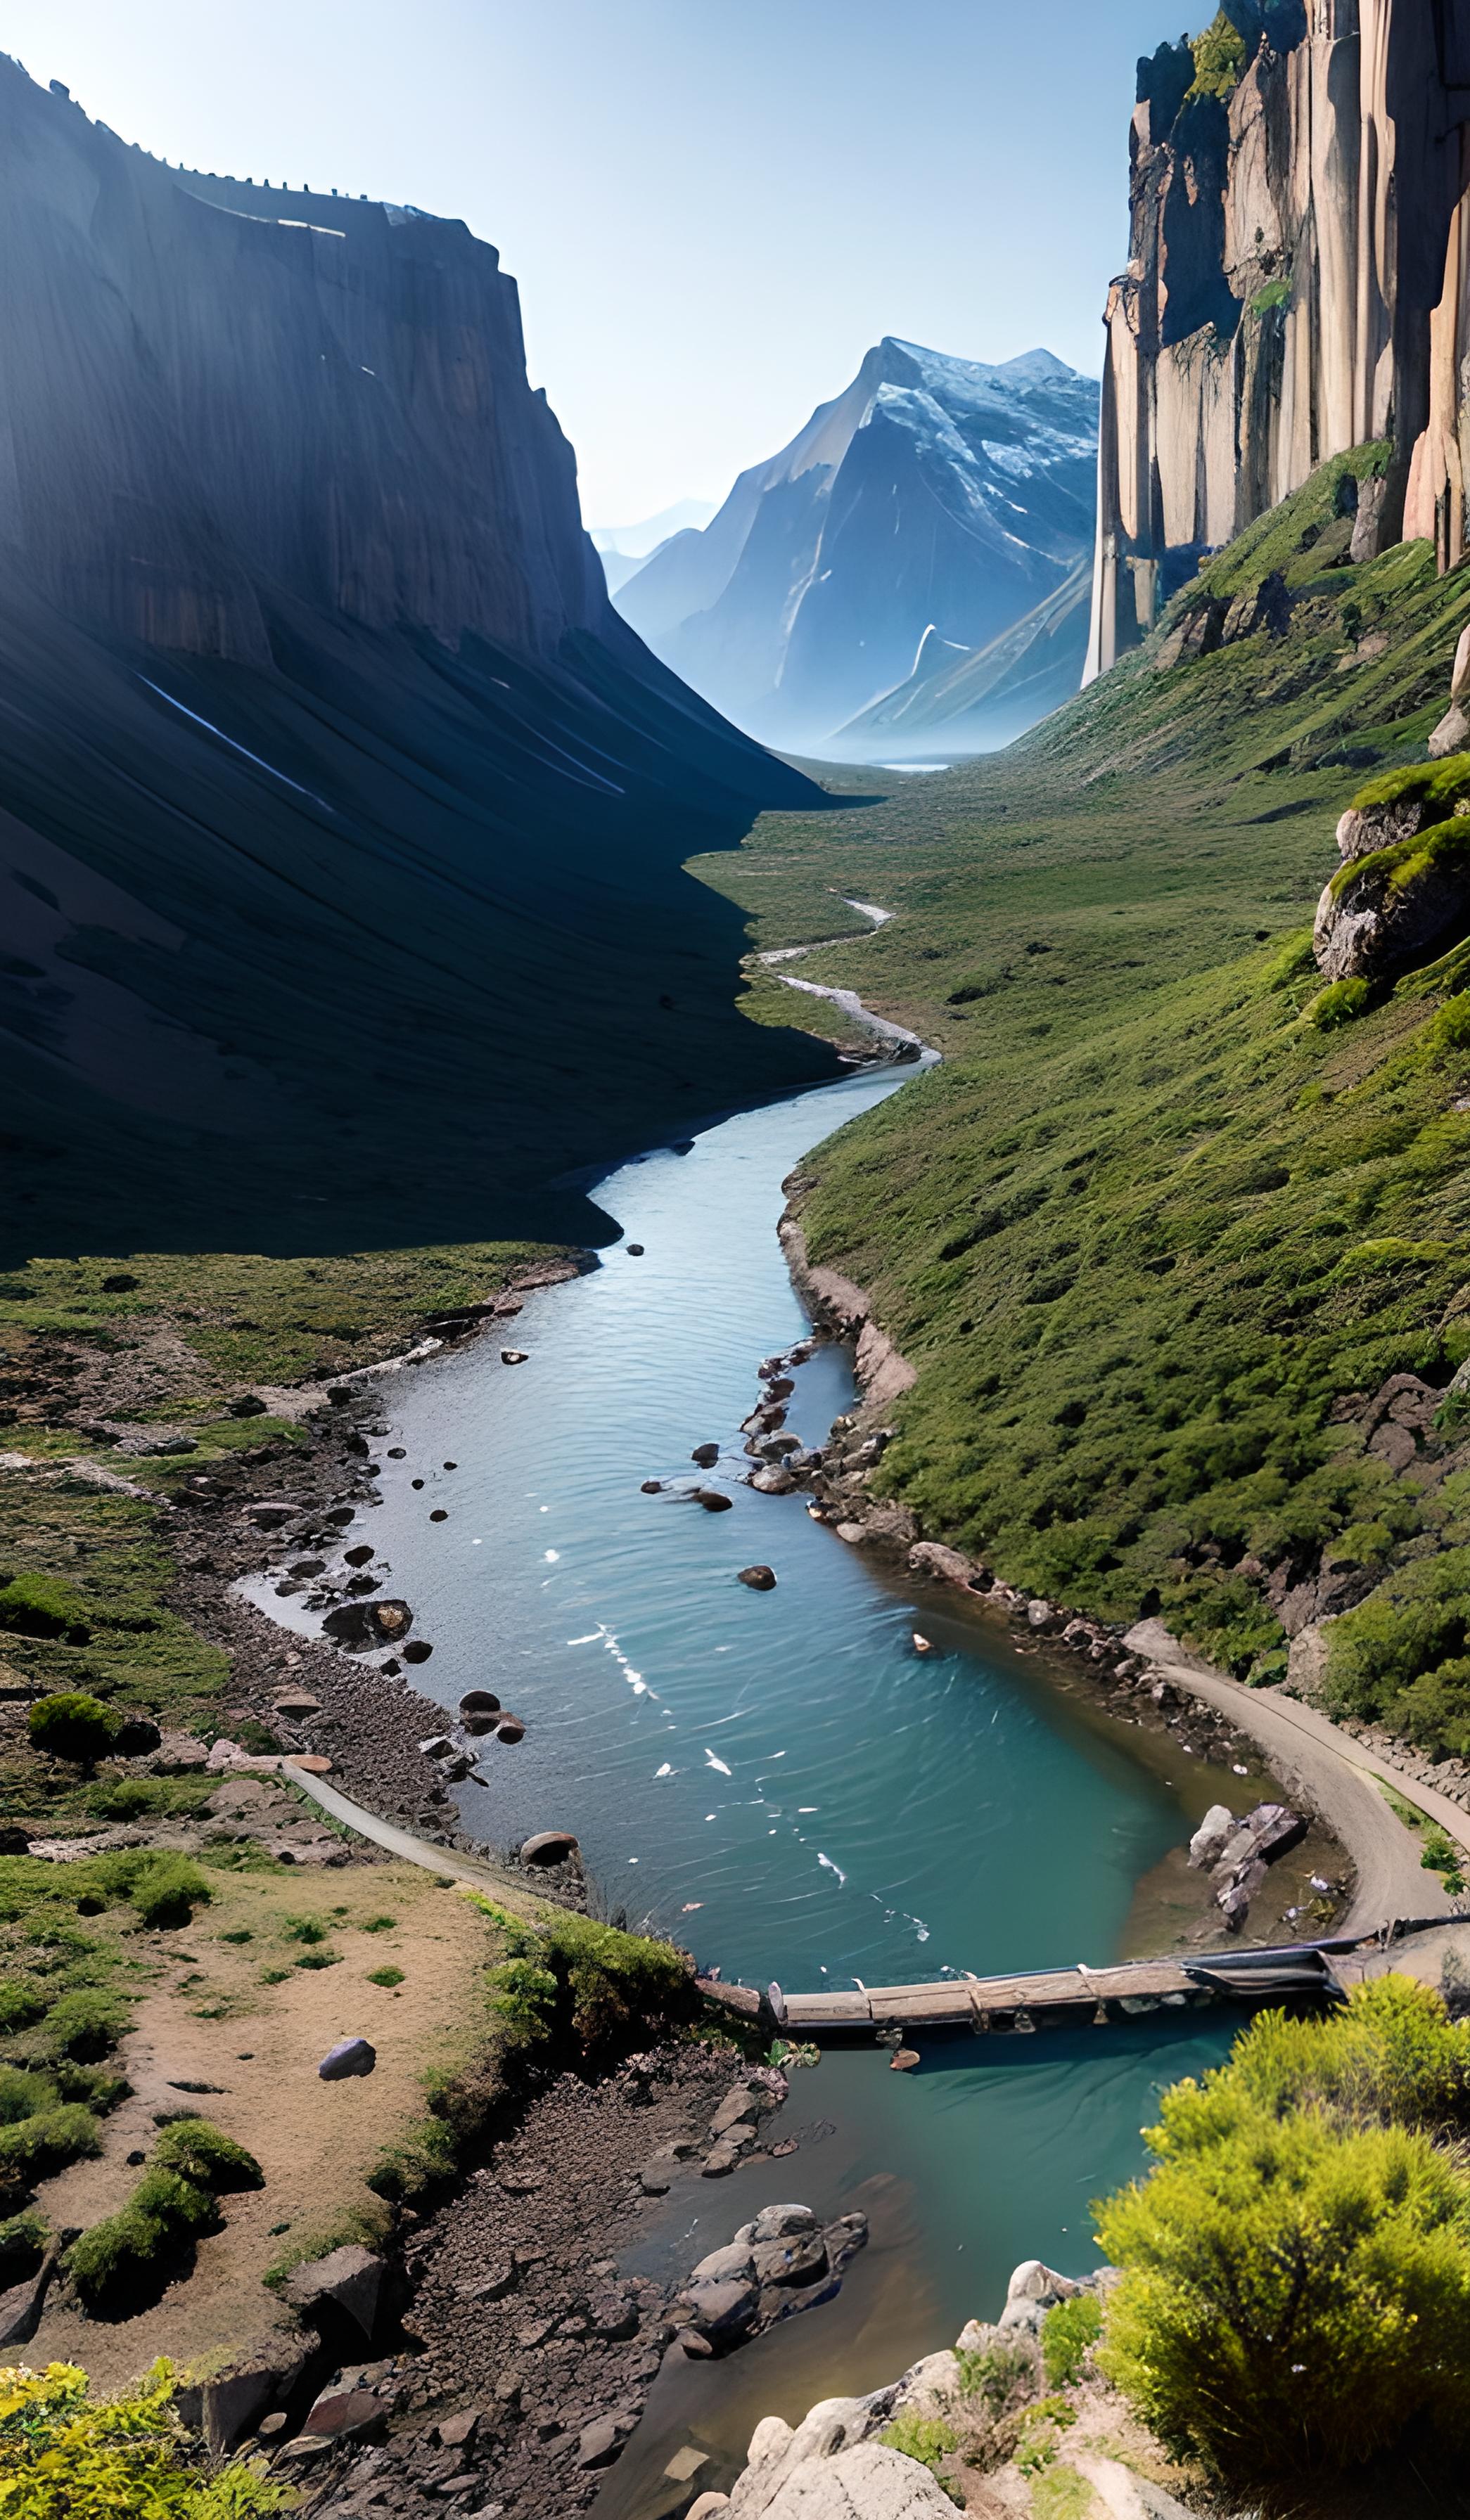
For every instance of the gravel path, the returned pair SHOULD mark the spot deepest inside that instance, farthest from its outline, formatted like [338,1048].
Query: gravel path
[1335,1774]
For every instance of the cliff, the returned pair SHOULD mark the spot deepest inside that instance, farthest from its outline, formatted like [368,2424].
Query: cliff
[1298,283]
[345,819]
[911,521]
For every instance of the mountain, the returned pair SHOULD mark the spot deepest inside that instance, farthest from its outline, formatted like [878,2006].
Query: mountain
[959,700]
[933,498]
[635,542]
[1294,288]
[343,819]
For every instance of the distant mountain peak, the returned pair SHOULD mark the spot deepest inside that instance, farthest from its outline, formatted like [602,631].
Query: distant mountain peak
[935,496]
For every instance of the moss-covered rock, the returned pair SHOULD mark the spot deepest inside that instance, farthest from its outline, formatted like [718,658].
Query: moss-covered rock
[1385,911]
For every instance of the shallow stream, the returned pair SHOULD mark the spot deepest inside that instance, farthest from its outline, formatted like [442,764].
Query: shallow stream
[779,1778]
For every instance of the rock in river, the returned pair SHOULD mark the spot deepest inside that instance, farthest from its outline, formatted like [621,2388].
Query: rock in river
[549,1845]
[761,1579]
[714,1500]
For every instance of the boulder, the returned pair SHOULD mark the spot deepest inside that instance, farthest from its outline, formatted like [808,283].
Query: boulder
[598,2444]
[458,2431]
[296,1705]
[267,1513]
[800,2259]
[775,1480]
[761,1579]
[549,1845]
[1032,2290]
[931,1557]
[361,1625]
[776,2223]
[348,2415]
[714,1500]
[1210,1839]
[510,1729]
[349,2280]
[350,2059]
[1384,913]
[733,2264]
[705,1456]
[827,2469]
[720,2309]
[223,2409]
[1266,607]
[513,1356]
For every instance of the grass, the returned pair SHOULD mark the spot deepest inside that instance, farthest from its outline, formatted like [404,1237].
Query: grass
[1152,1226]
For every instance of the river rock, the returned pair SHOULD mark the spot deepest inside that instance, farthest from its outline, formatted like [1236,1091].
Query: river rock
[706,1456]
[510,1729]
[733,2264]
[761,1579]
[773,1481]
[931,1557]
[800,2259]
[721,2310]
[714,1500]
[776,2223]
[513,1356]
[651,1487]
[1209,1841]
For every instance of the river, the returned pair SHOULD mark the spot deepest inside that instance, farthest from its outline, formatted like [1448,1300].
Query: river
[780,1779]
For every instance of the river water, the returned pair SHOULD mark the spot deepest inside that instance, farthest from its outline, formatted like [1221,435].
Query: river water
[779,1778]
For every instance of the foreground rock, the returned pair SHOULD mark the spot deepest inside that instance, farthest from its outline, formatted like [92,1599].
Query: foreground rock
[781,2263]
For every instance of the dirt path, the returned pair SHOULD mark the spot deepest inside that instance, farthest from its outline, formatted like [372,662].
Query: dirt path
[1336,1775]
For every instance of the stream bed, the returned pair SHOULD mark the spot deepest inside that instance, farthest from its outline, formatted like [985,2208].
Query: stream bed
[779,1778]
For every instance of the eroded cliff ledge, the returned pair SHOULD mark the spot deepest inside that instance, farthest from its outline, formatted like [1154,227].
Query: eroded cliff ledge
[1298,283]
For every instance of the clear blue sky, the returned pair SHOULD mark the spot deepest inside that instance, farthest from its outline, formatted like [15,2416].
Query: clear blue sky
[712,206]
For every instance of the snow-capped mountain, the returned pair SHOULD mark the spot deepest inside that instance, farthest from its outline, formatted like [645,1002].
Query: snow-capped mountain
[937,500]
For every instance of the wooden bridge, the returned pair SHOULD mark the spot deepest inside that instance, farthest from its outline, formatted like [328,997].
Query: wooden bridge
[1058,1998]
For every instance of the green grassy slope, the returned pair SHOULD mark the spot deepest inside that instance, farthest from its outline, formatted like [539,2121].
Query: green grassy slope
[1163,1209]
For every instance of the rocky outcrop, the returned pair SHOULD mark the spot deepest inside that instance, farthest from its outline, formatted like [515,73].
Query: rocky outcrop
[1404,888]
[1298,283]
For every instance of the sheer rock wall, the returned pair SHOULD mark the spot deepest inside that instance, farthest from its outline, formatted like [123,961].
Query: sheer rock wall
[1298,283]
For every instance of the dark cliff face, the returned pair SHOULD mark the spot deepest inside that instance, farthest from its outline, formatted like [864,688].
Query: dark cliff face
[343,818]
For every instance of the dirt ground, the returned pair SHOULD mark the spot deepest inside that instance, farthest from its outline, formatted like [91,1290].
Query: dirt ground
[213,2037]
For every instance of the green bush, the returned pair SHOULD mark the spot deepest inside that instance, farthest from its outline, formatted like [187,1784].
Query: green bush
[133,2249]
[72,1725]
[586,1988]
[1219,60]
[1339,1004]
[926,2438]
[85,2024]
[21,2094]
[388,1976]
[199,2151]
[1415,1622]
[116,2458]
[993,2373]
[303,1929]
[37,2147]
[20,2003]
[1296,2267]
[1068,2330]
[165,1889]
[38,1605]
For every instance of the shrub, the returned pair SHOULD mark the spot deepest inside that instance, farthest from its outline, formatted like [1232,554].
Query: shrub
[1296,2279]
[386,1977]
[199,2151]
[165,1889]
[380,1925]
[38,1605]
[926,2438]
[1219,60]
[586,1988]
[39,2147]
[72,1725]
[20,2003]
[1416,1620]
[303,1929]
[21,2094]
[85,2024]
[133,2250]
[1339,1004]
[62,2452]
[1068,2329]
[993,2373]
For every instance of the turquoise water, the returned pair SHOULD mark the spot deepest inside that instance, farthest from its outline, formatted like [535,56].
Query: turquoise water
[778,1778]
